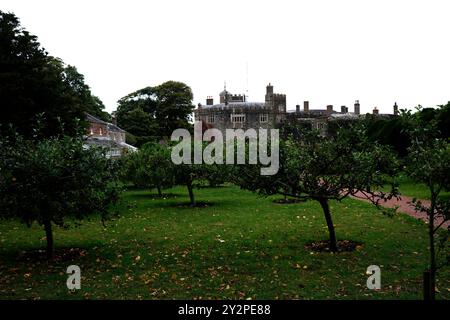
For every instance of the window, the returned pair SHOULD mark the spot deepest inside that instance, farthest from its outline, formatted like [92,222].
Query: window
[321,126]
[211,118]
[238,118]
[263,118]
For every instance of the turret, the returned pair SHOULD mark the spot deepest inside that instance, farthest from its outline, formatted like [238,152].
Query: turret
[357,107]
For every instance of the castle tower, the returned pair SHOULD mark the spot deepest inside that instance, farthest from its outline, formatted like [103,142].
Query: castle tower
[269,97]
[275,101]
[357,107]
[306,106]
[396,113]
[224,95]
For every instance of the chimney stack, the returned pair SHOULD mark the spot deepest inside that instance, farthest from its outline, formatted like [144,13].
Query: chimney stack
[344,109]
[306,106]
[357,107]
[209,101]
[375,111]
[297,108]
[329,109]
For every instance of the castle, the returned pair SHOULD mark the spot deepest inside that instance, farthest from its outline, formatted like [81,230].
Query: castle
[234,112]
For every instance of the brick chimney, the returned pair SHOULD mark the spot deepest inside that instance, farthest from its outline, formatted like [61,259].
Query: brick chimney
[375,111]
[297,108]
[306,106]
[209,101]
[344,109]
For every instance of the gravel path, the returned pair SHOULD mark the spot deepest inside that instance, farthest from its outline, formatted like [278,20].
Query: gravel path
[406,206]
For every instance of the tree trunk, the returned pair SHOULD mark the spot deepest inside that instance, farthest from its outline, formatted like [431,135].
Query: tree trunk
[49,235]
[191,193]
[326,212]
[159,191]
[426,285]
[432,285]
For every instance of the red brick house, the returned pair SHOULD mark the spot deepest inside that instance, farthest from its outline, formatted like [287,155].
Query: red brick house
[107,135]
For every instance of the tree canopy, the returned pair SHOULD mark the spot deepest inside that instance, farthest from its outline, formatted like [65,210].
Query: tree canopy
[46,181]
[153,113]
[34,83]
[428,162]
[150,167]
[324,169]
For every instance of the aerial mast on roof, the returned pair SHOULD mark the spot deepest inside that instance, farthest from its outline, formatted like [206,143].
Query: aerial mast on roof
[246,91]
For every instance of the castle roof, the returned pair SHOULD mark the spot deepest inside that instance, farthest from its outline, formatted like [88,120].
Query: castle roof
[236,105]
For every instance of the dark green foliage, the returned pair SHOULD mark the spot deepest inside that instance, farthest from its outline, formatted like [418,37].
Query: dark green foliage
[152,113]
[428,162]
[323,169]
[46,181]
[217,174]
[91,104]
[391,132]
[32,83]
[150,167]
[130,139]
[394,131]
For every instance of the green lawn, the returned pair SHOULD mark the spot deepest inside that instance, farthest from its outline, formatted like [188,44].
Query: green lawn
[413,189]
[240,246]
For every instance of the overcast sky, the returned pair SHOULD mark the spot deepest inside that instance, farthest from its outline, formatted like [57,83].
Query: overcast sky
[324,51]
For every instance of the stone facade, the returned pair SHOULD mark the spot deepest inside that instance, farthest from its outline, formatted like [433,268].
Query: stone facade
[234,112]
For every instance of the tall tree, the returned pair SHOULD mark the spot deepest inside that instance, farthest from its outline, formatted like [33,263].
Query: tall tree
[91,103]
[152,113]
[33,83]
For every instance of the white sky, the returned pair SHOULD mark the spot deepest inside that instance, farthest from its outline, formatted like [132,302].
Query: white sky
[324,51]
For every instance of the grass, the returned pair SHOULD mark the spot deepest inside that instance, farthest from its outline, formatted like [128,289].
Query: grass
[412,189]
[240,246]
